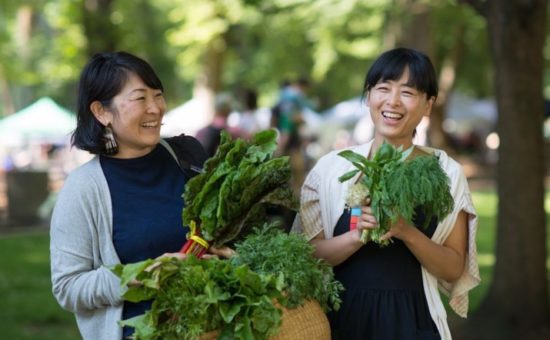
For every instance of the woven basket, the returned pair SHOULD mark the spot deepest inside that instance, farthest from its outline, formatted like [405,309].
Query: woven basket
[303,322]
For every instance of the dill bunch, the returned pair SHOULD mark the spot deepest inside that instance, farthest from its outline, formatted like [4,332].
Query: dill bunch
[397,186]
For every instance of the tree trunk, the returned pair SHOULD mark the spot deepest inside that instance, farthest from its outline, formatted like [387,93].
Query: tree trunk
[210,81]
[5,95]
[416,33]
[516,306]
[22,95]
[98,27]
[447,75]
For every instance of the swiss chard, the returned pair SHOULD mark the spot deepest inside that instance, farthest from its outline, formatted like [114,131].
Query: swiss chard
[227,199]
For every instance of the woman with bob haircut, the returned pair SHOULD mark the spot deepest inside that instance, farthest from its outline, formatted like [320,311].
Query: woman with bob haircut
[125,204]
[392,292]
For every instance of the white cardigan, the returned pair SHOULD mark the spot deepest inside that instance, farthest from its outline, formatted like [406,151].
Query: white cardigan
[323,200]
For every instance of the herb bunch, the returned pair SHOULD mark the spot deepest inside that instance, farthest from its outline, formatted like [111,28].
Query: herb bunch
[192,297]
[396,186]
[236,297]
[229,198]
[270,251]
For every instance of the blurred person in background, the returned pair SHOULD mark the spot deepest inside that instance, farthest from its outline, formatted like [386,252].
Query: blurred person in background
[210,135]
[392,292]
[288,117]
[125,204]
[247,122]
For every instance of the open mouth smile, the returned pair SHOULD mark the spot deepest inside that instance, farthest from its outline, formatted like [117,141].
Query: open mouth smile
[152,124]
[392,115]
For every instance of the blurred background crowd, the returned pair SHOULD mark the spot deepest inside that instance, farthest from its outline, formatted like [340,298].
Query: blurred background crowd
[36,155]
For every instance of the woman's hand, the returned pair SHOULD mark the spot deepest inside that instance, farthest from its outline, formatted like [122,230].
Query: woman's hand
[398,230]
[224,251]
[367,221]
[176,255]
[137,283]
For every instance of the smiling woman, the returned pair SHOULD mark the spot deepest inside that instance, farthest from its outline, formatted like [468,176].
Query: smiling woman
[123,206]
[135,116]
[391,291]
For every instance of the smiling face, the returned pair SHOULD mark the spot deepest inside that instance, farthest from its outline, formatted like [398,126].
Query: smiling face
[396,108]
[135,116]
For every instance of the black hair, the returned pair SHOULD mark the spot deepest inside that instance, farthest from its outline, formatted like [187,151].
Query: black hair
[391,64]
[101,80]
[250,98]
[303,82]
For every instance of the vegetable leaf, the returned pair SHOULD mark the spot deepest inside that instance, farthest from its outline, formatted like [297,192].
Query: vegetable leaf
[398,186]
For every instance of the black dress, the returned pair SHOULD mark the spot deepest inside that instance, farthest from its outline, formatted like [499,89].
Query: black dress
[384,296]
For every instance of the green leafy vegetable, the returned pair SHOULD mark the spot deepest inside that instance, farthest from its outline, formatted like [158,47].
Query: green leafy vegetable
[271,251]
[192,296]
[397,186]
[239,181]
[235,297]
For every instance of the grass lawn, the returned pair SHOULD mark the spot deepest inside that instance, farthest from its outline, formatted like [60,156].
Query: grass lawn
[27,307]
[29,311]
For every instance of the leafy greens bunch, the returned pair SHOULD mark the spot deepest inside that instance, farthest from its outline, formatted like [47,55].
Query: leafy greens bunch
[397,186]
[192,297]
[270,251]
[239,181]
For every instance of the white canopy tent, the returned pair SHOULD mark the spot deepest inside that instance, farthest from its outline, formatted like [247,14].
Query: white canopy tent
[187,118]
[44,121]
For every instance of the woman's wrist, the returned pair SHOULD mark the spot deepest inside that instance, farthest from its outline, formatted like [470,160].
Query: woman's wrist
[355,236]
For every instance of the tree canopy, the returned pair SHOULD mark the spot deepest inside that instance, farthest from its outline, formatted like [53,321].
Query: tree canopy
[230,45]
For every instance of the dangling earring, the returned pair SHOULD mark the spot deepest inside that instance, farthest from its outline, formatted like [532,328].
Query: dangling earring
[111,147]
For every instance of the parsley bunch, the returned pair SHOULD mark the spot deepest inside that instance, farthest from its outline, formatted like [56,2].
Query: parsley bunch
[397,186]
[270,251]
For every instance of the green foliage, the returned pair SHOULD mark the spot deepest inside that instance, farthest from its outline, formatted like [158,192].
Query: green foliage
[193,296]
[261,43]
[238,182]
[235,296]
[305,277]
[397,186]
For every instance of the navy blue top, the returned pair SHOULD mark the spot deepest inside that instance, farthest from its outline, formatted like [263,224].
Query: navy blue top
[146,195]
[384,295]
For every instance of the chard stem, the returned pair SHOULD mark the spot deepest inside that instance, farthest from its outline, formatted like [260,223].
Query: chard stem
[365,236]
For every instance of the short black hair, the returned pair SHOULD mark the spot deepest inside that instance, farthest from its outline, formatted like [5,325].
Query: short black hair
[101,80]
[391,64]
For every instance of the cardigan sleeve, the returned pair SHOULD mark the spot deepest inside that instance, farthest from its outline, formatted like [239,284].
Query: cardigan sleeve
[458,290]
[309,220]
[80,281]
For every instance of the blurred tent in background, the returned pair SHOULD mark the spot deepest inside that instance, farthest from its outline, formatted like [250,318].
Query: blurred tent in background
[44,121]
[469,122]
[35,157]
[465,114]
[187,118]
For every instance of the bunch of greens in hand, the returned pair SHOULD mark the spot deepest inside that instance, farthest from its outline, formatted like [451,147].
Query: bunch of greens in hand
[229,198]
[270,251]
[240,297]
[192,297]
[396,187]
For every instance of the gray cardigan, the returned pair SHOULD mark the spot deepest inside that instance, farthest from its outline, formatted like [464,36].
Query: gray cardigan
[82,250]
